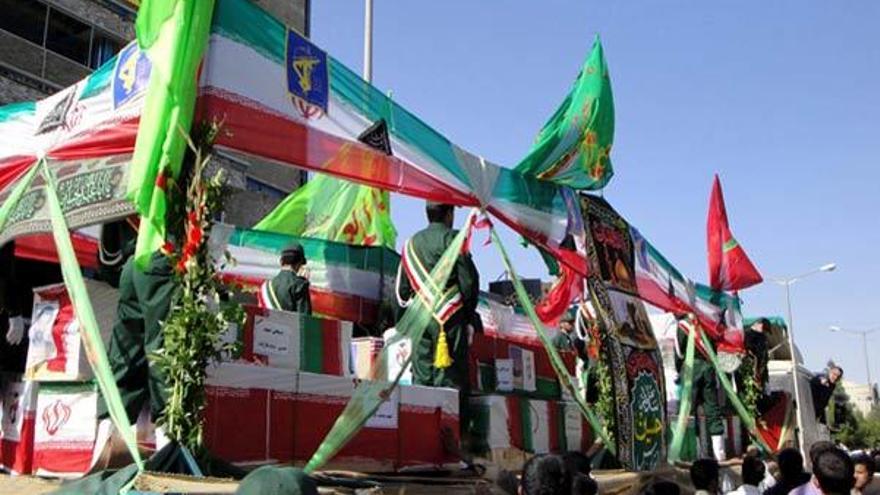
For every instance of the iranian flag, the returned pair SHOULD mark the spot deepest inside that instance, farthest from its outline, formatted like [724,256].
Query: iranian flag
[729,267]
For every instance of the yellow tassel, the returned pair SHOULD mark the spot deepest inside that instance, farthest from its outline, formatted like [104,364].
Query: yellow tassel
[442,359]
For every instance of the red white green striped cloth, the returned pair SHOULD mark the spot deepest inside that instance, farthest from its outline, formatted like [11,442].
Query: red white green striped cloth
[534,426]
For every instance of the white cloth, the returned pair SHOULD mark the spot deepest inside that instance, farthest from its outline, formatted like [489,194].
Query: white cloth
[746,490]
[16,330]
[808,488]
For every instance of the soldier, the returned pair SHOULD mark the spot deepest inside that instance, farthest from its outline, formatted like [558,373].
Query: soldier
[421,254]
[145,298]
[453,320]
[289,290]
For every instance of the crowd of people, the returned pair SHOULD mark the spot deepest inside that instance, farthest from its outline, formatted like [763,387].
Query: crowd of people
[834,472]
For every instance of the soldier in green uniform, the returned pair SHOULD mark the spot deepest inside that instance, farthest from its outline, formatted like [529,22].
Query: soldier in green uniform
[422,253]
[705,390]
[145,299]
[453,319]
[289,290]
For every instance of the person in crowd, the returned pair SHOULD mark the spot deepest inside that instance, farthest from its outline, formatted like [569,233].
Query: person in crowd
[865,484]
[822,386]
[663,488]
[551,474]
[833,472]
[791,472]
[289,290]
[811,486]
[705,476]
[753,471]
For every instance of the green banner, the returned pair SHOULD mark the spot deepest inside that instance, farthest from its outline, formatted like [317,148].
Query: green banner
[173,34]
[369,395]
[555,359]
[574,146]
[91,334]
[334,210]
[685,397]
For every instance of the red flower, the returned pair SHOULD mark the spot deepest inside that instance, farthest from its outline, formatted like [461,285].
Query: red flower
[195,236]
[161,180]
[167,248]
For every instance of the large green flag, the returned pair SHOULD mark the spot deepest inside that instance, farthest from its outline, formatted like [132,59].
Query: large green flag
[173,35]
[574,146]
[334,210]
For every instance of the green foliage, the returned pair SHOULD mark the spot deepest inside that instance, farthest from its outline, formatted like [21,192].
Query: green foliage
[860,432]
[752,392]
[193,332]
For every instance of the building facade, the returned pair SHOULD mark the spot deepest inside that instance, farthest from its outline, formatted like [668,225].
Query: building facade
[47,45]
[862,397]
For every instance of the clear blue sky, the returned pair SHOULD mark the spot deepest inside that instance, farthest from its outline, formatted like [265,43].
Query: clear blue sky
[781,98]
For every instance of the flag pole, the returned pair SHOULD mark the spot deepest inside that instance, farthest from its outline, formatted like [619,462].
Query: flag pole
[368,40]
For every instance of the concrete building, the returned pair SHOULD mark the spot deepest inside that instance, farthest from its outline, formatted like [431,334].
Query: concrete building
[46,45]
[862,397]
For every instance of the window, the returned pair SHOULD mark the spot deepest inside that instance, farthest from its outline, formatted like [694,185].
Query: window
[68,36]
[103,49]
[25,18]
[58,32]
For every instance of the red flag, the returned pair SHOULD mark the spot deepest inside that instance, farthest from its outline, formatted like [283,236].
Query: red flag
[729,266]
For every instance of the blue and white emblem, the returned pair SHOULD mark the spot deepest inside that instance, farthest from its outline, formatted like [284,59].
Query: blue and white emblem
[307,75]
[131,74]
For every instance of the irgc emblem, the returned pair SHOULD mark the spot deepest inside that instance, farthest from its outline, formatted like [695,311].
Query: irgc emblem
[130,75]
[307,76]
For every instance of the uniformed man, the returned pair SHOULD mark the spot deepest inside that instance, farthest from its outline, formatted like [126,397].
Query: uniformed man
[705,390]
[145,299]
[568,340]
[421,254]
[289,290]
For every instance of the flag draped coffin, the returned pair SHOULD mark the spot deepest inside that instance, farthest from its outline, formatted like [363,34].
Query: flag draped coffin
[534,426]
[55,351]
[296,341]
[425,412]
[18,423]
[510,345]
[250,412]
[321,399]
[65,429]
[346,282]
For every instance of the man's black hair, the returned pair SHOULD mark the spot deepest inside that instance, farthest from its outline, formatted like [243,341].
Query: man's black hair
[819,447]
[752,470]
[791,464]
[866,461]
[437,212]
[577,462]
[704,472]
[834,470]
[665,488]
[582,484]
[545,475]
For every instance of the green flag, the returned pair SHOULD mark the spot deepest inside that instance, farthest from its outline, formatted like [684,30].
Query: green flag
[574,146]
[173,35]
[334,210]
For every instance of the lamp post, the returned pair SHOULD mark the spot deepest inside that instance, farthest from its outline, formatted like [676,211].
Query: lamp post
[864,334]
[787,283]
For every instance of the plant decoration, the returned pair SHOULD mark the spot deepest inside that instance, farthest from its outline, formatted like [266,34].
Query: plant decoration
[601,372]
[200,314]
[751,392]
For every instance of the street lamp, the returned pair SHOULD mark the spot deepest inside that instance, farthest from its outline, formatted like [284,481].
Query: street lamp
[864,334]
[787,283]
